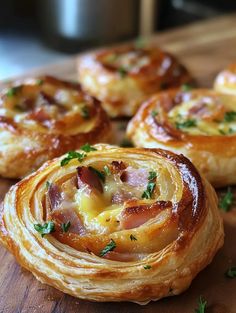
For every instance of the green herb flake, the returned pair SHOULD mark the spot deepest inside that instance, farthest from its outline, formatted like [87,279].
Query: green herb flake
[231,272]
[152,175]
[65,226]
[106,170]
[85,112]
[147,267]
[13,91]
[87,148]
[39,82]
[222,132]
[122,72]
[73,155]
[186,124]
[186,87]
[230,116]
[48,184]
[201,305]
[46,228]
[147,194]
[226,201]
[111,58]
[109,247]
[132,238]
[154,113]
[126,143]
[100,174]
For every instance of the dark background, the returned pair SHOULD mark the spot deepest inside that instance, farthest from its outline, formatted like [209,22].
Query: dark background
[29,35]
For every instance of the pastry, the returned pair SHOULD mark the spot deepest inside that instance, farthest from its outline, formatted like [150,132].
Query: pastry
[226,80]
[122,77]
[106,223]
[199,123]
[43,118]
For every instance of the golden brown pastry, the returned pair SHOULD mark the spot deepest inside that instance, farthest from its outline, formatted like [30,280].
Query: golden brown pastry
[122,77]
[43,118]
[113,224]
[226,80]
[200,123]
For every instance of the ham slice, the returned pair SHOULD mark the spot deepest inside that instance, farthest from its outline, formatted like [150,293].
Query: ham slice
[135,216]
[135,177]
[54,196]
[66,215]
[87,177]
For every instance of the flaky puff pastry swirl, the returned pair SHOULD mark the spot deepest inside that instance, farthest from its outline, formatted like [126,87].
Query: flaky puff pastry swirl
[43,118]
[226,80]
[199,123]
[123,76]
[128,224]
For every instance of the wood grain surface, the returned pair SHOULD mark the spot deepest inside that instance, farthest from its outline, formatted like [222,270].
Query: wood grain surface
[205,48]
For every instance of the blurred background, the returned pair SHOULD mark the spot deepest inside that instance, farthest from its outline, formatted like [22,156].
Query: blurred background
[39,32]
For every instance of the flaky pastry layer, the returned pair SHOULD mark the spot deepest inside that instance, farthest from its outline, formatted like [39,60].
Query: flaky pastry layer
[199,123]
[43,118]
[147,247]
[122,77]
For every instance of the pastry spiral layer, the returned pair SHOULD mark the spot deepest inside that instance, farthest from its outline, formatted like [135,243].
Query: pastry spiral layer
[226,80]
[43,118]
[200,123]
[113,224]
[122,77]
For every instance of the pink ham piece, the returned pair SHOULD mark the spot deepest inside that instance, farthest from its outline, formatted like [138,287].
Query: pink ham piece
[135,177]
[64,216]
[86,176]
[54,196]
[121,196]
[135,216]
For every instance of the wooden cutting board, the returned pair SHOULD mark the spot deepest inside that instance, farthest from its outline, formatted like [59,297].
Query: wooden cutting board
[205,48]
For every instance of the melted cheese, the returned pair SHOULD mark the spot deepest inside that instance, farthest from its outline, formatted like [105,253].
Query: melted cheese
[180,114]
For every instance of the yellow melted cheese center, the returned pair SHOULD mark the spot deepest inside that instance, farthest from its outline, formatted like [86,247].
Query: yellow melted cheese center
[181,114]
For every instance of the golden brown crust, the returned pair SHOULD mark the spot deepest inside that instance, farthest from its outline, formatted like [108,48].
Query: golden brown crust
[169,251]
[122,77]
[210,145]
[43,118]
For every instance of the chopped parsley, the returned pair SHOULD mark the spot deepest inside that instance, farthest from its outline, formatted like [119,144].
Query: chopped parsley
[100,174]
[147,267]
[222,132]
[122,71]
[186,124]
[186,87]
[110,58]
[231,272]
[48,184]
[226,201]
[201,305]
[126,143]
[152,175]
[39,82]
[109,247]
[147,194]
[106,170]
[13,91]
[154,113]
[87,148]
[85,112]
[230,116]
[46,228]
[73,155]
[132,238]
[65,226]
